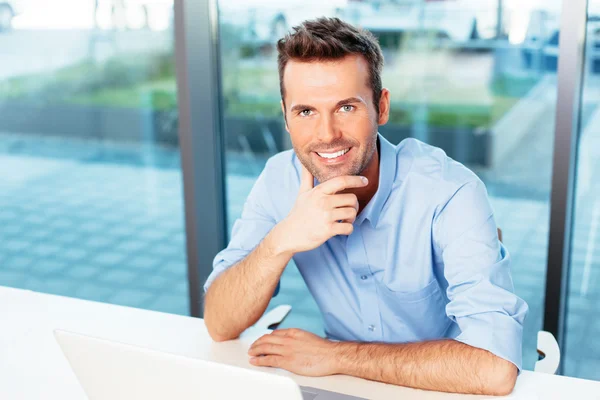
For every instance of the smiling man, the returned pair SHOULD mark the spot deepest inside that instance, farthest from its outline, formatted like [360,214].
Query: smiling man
[397,244]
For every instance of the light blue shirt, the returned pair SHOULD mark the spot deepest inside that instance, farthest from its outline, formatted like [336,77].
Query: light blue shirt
[424,261]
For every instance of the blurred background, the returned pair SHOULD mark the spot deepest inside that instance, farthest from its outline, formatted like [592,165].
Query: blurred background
[91,191]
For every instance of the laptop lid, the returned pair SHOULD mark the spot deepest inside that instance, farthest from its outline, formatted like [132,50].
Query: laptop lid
[110,370]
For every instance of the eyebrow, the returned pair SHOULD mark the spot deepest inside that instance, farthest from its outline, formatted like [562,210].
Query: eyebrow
[301,107]
[349,100]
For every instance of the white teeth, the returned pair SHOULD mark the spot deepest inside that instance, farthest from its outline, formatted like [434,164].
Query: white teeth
[334,155]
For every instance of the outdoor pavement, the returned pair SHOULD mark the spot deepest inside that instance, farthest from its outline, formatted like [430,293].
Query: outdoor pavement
[95,221]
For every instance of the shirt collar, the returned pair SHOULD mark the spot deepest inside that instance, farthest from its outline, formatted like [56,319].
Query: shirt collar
[387,173]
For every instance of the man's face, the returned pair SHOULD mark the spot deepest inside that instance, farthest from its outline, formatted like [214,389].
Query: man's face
[330,115]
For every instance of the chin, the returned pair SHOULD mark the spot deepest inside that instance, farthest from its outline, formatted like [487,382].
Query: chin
[323,173]
[324,176]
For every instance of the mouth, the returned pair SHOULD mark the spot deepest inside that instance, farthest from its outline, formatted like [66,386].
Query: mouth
[333,157]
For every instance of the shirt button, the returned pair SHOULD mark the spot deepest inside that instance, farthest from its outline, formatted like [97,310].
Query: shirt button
[372,328]
[364,277]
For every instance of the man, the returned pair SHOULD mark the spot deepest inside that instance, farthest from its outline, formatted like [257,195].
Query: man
[397,244]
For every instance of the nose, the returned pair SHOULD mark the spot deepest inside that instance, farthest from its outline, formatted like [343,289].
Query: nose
[328,131]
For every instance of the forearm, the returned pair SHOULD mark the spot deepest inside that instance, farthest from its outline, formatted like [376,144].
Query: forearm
[446,365]
[241,294]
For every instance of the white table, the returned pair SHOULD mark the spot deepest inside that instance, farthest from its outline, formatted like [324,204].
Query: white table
[32,365]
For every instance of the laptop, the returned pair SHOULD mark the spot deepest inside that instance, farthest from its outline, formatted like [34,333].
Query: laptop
[118,371]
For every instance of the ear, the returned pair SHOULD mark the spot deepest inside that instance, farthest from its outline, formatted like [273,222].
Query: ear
[384,107]
[284,117]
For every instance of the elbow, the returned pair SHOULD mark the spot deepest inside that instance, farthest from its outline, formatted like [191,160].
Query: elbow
[216,334]
[212,323]
[503,388]
[501,381]
[215,328]
[217,337]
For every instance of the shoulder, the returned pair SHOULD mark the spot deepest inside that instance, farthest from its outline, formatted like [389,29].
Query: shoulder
[430,168]
[282,168]
[279,182]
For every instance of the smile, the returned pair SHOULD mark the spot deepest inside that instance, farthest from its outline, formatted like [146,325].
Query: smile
[334,155]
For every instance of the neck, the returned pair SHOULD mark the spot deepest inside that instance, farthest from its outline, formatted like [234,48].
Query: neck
[366,193]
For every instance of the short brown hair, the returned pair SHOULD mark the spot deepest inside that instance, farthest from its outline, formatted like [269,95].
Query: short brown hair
[331,39]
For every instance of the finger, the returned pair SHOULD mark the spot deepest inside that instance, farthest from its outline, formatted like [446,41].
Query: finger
[260,340]
[307,181]
[267,349]
[340,183]
[344,200]
[269,338]
[279,332]
[290,332]
[267,361]
[343,214]
[342,228]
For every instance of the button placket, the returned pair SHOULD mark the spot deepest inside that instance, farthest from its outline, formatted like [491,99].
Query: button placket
[368,300]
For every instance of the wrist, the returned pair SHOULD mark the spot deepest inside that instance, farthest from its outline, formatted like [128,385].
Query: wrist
[275,241]
[339,356]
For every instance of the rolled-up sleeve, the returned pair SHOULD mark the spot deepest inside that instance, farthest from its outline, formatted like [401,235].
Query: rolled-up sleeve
[248,231]
[477,267]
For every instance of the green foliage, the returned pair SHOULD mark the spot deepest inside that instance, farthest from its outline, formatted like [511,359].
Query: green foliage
[447,116]
[148,81]
[513,86]
[125,81]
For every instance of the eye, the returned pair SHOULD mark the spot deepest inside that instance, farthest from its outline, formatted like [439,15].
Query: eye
[347,108]
[305,113]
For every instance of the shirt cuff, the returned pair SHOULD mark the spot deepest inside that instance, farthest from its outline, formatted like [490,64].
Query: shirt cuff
[495,332]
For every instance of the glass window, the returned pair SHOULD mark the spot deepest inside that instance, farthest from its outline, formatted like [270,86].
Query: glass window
[476,78]
[90,181]
[581,355]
